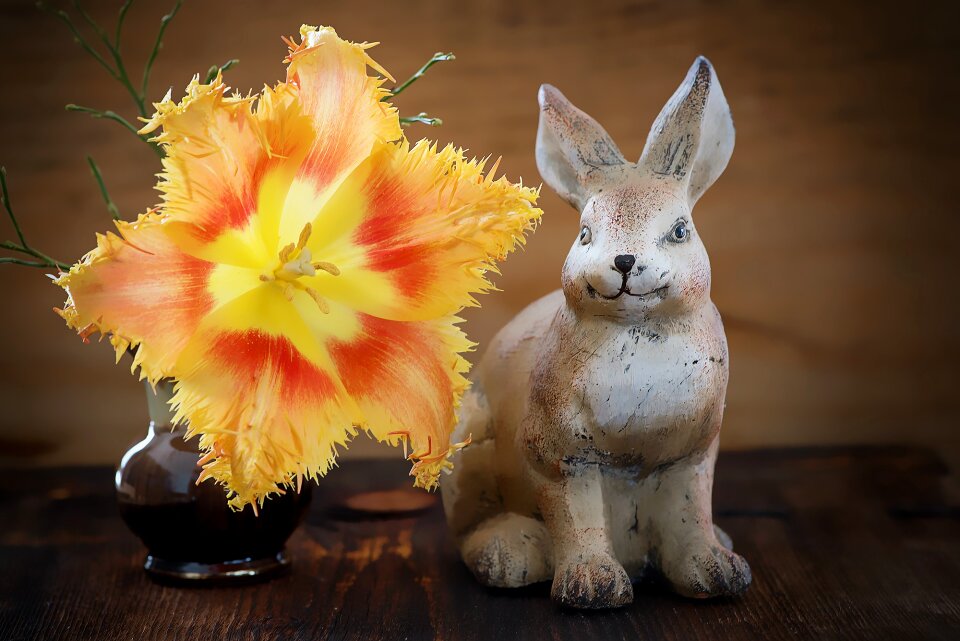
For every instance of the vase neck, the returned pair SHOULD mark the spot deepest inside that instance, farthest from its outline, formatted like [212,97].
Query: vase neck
[158,403]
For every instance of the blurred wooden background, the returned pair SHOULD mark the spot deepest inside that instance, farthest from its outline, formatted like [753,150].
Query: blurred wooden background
[833,234]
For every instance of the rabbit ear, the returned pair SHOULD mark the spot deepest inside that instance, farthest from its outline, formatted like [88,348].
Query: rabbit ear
[573,151]
[692,138]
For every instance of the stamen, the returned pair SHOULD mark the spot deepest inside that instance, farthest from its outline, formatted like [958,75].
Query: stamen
[286,252]
[330,268]
[318,299]
[304,236]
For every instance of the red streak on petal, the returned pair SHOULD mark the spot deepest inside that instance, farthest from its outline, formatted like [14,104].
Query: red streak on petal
[384,360]
[412,270]
[252,354]
[230,209]
[387,232]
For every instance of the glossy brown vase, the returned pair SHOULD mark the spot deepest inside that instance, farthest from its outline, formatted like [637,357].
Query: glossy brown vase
[191,535]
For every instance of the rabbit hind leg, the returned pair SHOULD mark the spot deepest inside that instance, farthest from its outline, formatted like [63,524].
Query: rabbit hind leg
[502,548]
[470,491]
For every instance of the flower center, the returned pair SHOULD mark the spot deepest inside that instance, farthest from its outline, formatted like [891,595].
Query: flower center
[295,262]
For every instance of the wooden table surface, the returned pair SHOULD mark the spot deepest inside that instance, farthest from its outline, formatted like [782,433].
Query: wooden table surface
[853,543]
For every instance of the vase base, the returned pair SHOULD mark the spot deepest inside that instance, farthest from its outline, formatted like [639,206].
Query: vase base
[240,571]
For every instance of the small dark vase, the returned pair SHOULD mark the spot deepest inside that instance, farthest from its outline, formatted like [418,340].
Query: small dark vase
[191,534]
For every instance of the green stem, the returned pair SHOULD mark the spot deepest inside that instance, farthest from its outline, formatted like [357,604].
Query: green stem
[23,247]
[29,251]
[111,206]
[114,116]
[164,21]
[121,70]
[92,24]
[108,115]
[437,57]
[6,244]
[138,98]
[123,16]
[6,205]
[214,69]
[421,118]
[65,19]
[19,261]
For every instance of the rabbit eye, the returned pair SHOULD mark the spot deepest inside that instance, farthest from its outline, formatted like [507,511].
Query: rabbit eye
[679,233]
[585,235]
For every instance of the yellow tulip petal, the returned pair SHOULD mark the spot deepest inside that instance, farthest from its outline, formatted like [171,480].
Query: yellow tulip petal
[425,227]
[267,415]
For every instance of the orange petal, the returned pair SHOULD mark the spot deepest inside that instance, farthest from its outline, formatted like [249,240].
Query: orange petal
[343,103]
[407,379]
[214,156]
[140,287]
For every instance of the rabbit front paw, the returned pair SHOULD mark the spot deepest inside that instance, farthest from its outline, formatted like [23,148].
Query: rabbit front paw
[707,570]
[597,582]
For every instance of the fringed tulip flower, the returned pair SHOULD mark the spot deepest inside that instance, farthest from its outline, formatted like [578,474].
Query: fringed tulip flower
[301,277]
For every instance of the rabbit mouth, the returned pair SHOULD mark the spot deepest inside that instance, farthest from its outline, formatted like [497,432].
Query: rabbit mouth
[659,292]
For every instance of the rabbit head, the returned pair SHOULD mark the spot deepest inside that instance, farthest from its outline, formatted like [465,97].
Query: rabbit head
[637,254]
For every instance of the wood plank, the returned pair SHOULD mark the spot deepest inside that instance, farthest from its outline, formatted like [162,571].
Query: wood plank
[845,543]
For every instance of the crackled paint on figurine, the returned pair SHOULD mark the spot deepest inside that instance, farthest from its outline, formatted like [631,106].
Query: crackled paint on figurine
[595,413]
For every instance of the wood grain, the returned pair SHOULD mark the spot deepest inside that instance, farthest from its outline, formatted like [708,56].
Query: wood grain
[833,234]
[851,543]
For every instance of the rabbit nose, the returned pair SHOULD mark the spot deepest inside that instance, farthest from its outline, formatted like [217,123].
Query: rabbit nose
[624,262]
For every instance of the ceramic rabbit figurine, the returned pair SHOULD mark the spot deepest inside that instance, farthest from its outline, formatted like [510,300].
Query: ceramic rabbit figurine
[595,413]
